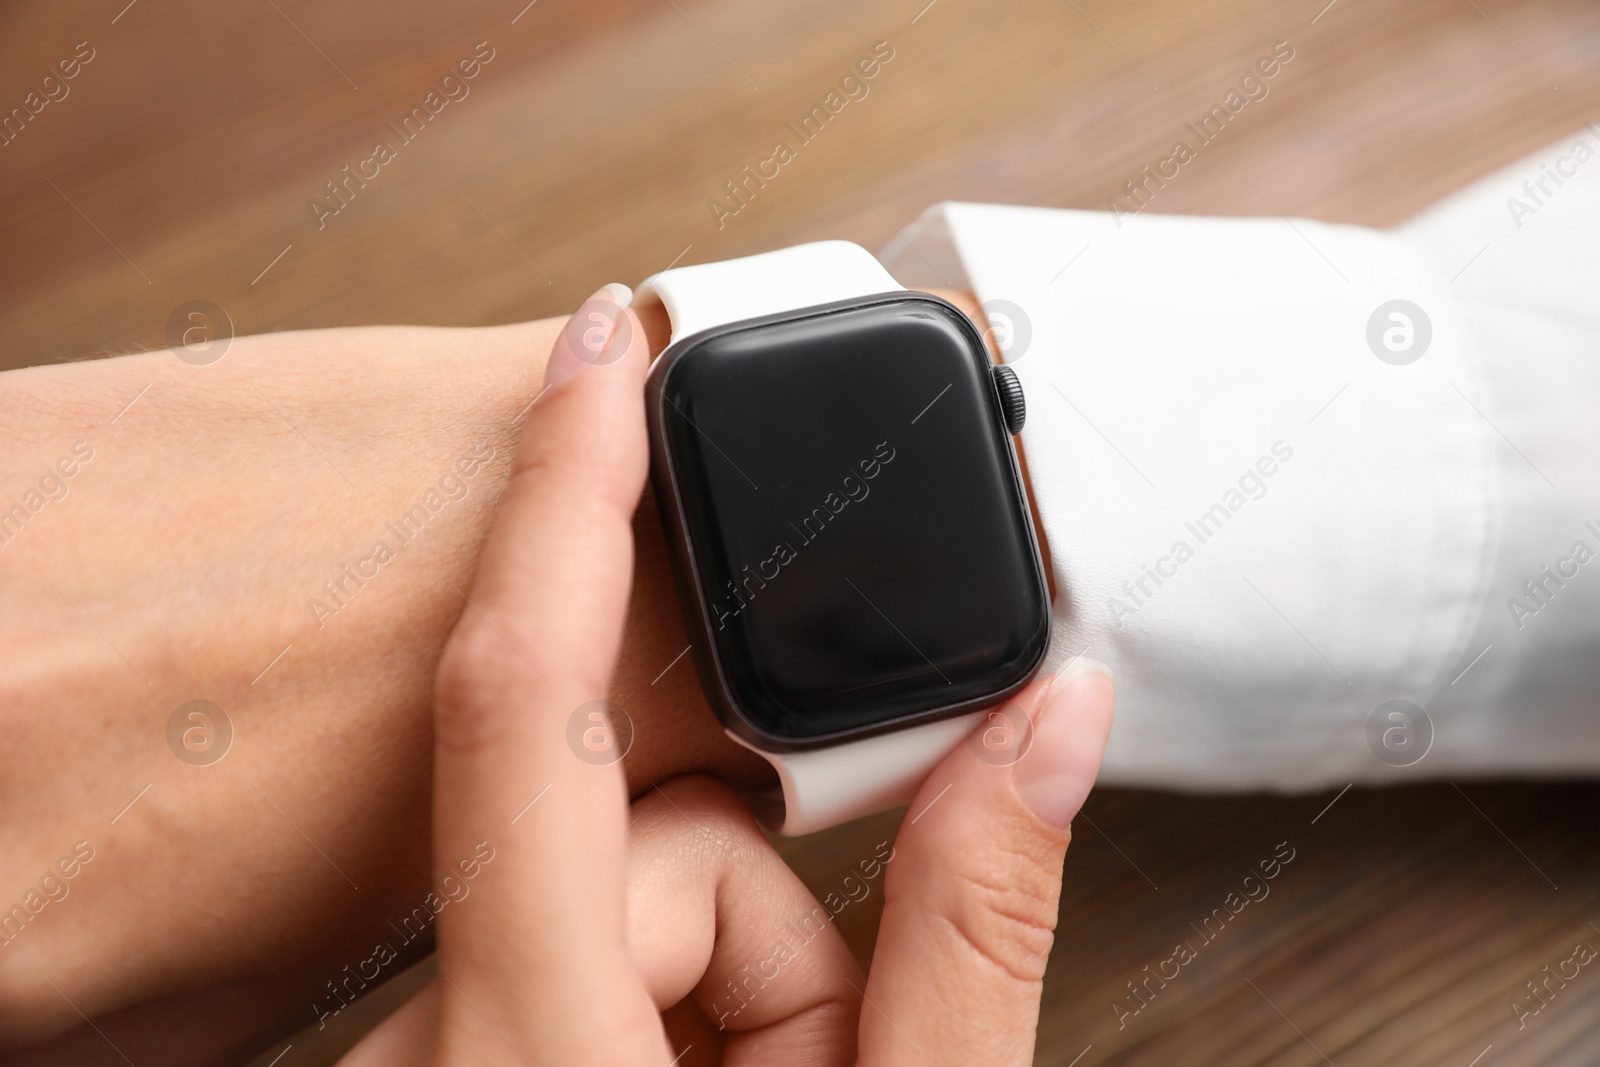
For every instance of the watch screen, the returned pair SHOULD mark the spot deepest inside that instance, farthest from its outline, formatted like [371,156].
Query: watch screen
[854,518]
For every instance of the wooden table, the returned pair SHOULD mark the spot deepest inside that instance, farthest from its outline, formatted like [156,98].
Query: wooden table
[183,160]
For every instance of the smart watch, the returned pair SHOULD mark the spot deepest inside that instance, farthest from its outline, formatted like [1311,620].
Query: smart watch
[833,462]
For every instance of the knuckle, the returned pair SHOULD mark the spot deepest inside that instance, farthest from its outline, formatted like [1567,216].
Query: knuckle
[477,674]
[706,795]
[563,464]
[567,464]
[1001,902]
[698,824]
[701,809]
[551,460]
[1012,931]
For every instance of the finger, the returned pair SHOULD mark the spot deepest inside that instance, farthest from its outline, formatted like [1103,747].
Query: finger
[972,894]
[541,825]
[709,903]
[405,1038]
[713,911]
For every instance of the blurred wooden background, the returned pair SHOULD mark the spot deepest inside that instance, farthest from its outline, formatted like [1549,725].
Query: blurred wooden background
[181,163]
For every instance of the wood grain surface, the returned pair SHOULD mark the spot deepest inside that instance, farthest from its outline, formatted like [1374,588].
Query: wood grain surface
[183,159]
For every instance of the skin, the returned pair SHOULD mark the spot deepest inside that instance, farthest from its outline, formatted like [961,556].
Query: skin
[178,566]
[971,893]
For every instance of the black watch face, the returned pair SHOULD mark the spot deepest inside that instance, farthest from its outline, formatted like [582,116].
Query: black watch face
[854,520]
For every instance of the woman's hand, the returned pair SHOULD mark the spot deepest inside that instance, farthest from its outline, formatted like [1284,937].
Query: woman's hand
[584,929]
[198,545]
[195,544]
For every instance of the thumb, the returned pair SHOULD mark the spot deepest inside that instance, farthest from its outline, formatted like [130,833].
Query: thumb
[972,892]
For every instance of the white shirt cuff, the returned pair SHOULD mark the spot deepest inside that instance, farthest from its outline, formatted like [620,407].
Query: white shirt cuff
[1266,522]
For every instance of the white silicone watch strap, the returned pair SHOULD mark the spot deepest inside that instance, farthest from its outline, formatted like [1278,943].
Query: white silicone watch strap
[828,786]
[711,294]
[821,787]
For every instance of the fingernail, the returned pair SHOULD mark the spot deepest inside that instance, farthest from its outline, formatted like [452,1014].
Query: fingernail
[598,333]
[1081,665]
[1069,737]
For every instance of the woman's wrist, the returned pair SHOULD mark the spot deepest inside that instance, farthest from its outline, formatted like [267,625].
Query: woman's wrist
[289,535]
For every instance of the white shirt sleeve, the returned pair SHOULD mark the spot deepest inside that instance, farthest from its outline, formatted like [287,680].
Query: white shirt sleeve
[1277,500]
